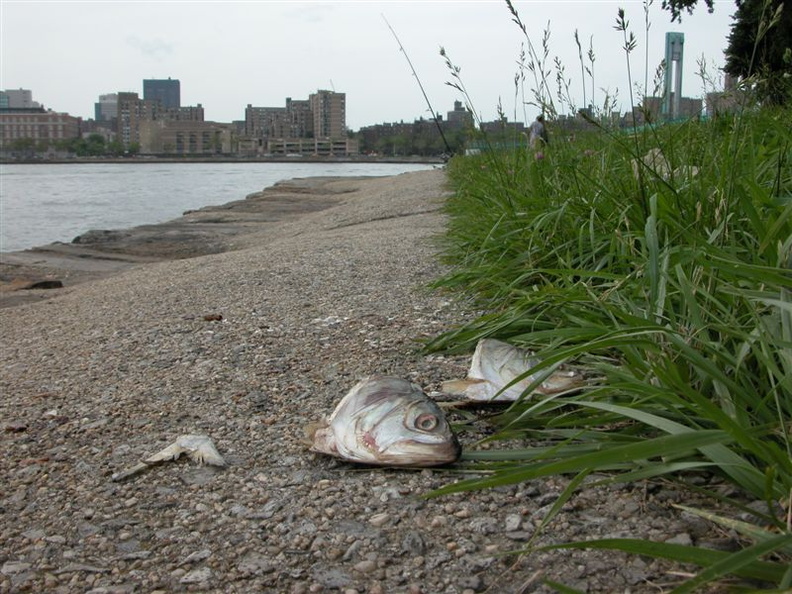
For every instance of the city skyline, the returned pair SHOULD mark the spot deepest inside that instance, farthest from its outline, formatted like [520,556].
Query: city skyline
[233,54]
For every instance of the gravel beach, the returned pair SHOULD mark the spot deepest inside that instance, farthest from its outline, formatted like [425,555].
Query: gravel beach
[249,345]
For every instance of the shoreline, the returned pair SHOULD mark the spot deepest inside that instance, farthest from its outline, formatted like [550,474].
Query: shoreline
[213,229]
[273,159]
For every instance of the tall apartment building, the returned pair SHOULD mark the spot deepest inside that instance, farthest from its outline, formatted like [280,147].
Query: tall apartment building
[329,114]
[300,118]
[167,91]
[265,122]
[131,111]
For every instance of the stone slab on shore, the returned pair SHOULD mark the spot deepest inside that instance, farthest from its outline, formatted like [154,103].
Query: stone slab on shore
[209,230]
[249,346]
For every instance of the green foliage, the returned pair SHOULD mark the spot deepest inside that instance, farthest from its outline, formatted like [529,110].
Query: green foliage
[759,47]
[676,7]
[659,261]
[667,279]
[669,282]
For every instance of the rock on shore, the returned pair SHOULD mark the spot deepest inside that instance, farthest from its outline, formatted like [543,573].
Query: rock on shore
[248,346]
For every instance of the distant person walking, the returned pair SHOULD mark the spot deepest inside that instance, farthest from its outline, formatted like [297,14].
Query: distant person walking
[539,137]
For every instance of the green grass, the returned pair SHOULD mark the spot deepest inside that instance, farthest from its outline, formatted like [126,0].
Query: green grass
[669,283]
[673,291]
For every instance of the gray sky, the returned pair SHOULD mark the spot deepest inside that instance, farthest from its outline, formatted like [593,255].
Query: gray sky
[231,53]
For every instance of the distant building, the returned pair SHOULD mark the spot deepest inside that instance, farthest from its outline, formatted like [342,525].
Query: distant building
[187,113]
[725,101]
[503,128]
[426,137]
[300,118]
[263,122]
[167,91]
[460,117]
[651,109]
[329,114]
[106,109]
[132,110]
[37,125]
[671,107]
[17,99]
[158,129]
[185,137]
[313,126]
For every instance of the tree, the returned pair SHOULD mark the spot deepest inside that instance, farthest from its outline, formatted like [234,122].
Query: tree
[115,148]
[25,146]
[760,44]
[677,6]
[94,145]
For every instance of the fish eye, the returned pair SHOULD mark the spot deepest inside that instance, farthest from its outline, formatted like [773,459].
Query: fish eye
[426,422]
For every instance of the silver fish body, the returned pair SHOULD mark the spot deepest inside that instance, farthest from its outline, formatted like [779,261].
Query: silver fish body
[496,364]
[387,421]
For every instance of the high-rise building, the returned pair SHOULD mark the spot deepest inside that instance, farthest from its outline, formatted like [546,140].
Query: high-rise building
[329,114]
[167,91]
[18,99]
[300,118]
[106,109]
[265,122]
[131,111]
[314,126]
[672,91]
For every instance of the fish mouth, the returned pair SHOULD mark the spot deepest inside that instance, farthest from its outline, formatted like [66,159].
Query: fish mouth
[410,452]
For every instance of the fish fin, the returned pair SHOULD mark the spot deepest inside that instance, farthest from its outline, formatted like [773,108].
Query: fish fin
[205,452]
[454,404]
[310,430]
[561,381]
[319,438]
[459,386]
[172,452]
[199,448]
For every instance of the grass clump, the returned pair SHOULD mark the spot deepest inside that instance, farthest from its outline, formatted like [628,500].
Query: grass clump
[660,260]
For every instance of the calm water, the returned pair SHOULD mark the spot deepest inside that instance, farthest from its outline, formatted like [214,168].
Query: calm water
[40,204]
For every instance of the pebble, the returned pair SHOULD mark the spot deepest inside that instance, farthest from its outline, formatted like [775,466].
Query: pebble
[512,523]
[14,567]
[681,539]
[196,576]
[366,566]
[379,520]
[197,556]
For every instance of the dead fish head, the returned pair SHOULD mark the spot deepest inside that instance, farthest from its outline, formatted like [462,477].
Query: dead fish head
[387,421]
[500,371]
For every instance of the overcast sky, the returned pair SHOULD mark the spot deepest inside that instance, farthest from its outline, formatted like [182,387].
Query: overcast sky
[230,54]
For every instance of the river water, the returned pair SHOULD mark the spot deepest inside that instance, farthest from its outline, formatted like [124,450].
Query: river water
[40,204]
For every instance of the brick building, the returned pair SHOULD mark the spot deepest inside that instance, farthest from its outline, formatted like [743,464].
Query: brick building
[37,125]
